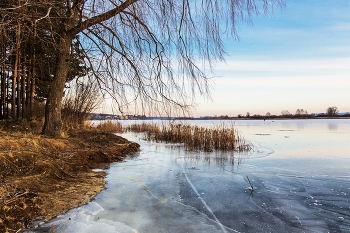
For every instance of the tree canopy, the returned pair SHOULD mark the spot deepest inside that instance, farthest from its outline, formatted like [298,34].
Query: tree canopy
[153,54]
[332,111]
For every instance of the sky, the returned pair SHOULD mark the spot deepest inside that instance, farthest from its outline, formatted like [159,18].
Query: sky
[297,57]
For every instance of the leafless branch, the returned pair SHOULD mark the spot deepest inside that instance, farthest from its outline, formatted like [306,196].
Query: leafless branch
[45,16]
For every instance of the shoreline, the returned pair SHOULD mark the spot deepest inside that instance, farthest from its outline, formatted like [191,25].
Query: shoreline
[43,177]
[263,118]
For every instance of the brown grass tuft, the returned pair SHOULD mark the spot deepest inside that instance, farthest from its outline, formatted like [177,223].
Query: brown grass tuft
[110,126]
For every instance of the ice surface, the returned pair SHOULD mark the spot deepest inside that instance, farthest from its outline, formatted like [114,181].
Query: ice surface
[82,219]
[165,189]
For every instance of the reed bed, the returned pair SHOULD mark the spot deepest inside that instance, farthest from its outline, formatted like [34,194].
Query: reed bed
[194,138]
[110,126]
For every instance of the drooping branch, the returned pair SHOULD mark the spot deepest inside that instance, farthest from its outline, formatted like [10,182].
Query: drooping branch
[153,53]
[102,17]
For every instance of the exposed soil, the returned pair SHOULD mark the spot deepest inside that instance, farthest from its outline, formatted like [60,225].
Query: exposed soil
[43,177]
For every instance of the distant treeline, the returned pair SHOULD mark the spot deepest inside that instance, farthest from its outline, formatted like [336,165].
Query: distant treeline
[262,117]
[331,112]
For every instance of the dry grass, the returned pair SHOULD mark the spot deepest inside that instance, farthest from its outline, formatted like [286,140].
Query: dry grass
[195,138]
[44,177]
[109,126]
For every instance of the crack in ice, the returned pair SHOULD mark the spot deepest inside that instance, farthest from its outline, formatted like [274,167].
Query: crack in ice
[204,203]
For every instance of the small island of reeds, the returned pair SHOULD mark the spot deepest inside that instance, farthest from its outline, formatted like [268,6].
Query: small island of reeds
[195,138]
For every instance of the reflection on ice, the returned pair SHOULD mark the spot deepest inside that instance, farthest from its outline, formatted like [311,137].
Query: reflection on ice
[165,189]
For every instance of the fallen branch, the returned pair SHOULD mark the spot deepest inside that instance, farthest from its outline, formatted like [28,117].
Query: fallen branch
[16,196]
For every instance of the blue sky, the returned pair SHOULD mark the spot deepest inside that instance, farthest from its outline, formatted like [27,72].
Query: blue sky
[297,57]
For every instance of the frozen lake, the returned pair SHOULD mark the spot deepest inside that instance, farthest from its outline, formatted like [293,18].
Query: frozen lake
[300,170]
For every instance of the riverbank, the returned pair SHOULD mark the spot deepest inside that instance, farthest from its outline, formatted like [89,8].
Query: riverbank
[42,177]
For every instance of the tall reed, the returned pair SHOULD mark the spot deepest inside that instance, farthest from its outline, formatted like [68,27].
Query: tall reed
[110,126]
[194,138]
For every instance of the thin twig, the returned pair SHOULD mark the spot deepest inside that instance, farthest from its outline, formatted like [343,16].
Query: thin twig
[250,183]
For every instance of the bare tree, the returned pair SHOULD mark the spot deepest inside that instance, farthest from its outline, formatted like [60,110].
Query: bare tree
[300,112]
[149,53]
[17,65]
[81,98]
[285,113]
[332,111]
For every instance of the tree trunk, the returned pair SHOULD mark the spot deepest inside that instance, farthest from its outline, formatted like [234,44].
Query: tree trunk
[53,122]
[3,111]
[14,84]
[28,86]
[32,93]
[31,83]
[16,69]
[18,100]
[23,89]
[3,93]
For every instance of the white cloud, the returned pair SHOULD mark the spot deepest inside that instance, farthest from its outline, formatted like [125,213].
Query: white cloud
[297,65]
[339,26]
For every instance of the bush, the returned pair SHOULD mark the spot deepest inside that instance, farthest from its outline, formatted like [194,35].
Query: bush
[80,100]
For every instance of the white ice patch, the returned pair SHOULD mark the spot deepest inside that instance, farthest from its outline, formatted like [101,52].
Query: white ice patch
[97,170]
[83,219]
